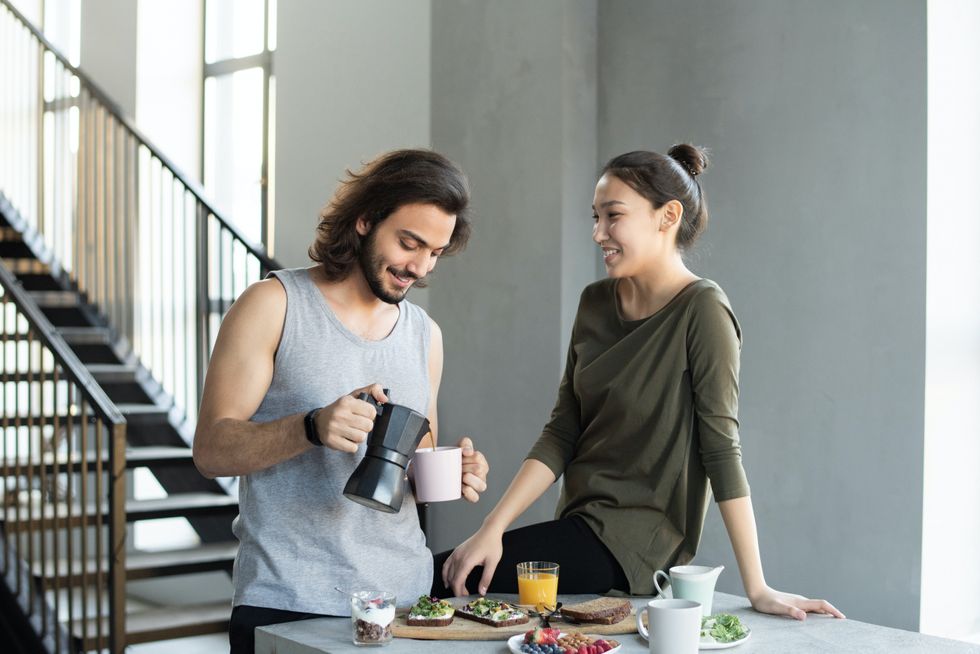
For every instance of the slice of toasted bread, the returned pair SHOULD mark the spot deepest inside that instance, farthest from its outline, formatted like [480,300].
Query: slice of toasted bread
[516,617]
[605,610]
[418,621]
[431,612]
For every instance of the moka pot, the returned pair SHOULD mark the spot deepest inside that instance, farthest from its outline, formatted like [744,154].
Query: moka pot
[378,482]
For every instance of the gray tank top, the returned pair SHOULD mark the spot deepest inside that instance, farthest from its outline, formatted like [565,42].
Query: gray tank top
[299,535]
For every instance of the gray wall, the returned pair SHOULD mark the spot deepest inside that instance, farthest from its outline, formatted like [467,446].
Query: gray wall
[513,101]
[108,49]
[816,114]
[352,82]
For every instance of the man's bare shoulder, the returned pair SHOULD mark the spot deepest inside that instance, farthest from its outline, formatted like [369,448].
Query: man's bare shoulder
[436,331]
[259,312]
[265,294]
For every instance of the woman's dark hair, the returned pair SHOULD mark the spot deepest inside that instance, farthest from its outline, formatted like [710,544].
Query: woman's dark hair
[379,189]
[661,178]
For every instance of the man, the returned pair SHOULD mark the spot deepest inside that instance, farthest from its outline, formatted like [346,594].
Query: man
[280,405]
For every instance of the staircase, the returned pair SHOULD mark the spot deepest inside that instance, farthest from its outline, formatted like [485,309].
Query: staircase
[115,272]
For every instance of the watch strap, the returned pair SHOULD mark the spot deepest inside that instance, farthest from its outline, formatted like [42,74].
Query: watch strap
[311,432]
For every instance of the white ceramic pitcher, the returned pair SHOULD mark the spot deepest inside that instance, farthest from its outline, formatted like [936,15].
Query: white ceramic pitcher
[691,582]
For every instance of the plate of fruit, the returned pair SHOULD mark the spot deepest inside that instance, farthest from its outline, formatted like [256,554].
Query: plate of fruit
[543,640]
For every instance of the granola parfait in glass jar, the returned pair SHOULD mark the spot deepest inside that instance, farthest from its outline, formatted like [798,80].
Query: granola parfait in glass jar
[371,614]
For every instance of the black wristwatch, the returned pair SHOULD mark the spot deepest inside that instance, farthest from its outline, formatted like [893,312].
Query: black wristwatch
[311,433]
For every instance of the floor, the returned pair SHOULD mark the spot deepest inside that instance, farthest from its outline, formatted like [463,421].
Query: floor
[209,644]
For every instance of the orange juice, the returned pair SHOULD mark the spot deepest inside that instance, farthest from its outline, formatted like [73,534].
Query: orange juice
[538,588]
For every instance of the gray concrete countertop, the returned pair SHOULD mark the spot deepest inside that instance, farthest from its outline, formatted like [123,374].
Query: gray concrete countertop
[769,634]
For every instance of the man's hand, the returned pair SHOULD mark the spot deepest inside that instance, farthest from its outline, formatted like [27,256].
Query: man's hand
[475,469]
[345,424]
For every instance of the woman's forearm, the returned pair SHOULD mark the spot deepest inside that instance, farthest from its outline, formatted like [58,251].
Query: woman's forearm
[739,520]
[530,482]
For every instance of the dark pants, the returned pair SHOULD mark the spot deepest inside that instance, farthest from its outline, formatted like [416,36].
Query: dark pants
[244,620]
[586,566]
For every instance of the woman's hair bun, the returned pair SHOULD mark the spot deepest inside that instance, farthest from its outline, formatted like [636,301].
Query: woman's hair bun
[693,158]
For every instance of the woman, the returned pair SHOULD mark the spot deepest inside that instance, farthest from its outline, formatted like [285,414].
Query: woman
[646,415]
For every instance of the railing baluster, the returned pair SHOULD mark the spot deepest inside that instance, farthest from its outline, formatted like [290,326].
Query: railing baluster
[17,438]
[117,537]
[202,324]
[99,527]
[31,527]
[83,512]
[6,432]
[43,481]
[70,442]
[39,114]
[56,549]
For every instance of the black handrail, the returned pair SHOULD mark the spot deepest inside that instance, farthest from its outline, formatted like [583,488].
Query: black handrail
[119,115]
[73,368]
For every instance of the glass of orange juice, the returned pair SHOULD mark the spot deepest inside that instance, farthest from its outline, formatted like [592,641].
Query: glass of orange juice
[537,584]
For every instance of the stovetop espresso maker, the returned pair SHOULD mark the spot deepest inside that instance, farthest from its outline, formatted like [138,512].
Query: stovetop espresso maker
[378,482]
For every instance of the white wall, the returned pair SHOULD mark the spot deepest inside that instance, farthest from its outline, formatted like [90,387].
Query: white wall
[816,115]
[352,82]
[951,502]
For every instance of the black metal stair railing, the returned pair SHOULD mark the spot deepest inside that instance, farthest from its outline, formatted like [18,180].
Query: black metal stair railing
[114,216]
[62,465]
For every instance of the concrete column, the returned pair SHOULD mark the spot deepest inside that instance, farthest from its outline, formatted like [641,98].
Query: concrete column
[513,102]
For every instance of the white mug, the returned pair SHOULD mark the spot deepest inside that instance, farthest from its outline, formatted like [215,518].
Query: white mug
[438,474]
[675,626]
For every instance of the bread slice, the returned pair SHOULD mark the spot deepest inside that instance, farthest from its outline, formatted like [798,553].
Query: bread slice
[431,612]
[493,613]
[605,610]
[417,621]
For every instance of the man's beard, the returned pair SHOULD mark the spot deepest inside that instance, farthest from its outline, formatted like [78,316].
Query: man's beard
[374,269]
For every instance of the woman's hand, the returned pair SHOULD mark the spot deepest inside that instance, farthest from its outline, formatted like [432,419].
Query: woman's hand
[485,548]
[769,600]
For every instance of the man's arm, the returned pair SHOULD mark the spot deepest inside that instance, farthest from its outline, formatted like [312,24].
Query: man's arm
[226,443]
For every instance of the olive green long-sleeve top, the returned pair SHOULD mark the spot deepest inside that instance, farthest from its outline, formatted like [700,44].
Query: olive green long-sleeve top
[647,415]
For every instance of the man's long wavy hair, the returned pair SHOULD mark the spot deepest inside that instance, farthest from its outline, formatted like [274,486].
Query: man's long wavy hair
[380,188]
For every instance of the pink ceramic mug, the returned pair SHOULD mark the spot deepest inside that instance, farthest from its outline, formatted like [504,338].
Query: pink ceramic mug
[438,474]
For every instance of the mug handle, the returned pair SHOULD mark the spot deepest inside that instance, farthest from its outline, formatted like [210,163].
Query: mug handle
[660,591]
[639,623]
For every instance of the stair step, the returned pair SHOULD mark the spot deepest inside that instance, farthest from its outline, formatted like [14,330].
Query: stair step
[163,624]
[9,234]
[55,299]
[25,266]
[15,250]
[114,373]
[145,565]
[179,505]
[35,282]
[204,558]
[86,335]
[143,410]
[153,456]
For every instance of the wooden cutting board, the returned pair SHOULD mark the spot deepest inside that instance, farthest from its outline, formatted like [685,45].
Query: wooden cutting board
[463,629]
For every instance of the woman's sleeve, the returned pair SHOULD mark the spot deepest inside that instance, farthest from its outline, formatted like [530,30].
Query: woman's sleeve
[714,342]
[556,445]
